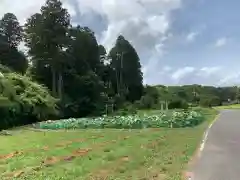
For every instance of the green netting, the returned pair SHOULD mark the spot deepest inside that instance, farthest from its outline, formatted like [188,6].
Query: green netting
[168,120]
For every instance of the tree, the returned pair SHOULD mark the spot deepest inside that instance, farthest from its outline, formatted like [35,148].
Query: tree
[83,74]
[84,50]
[13,59]
[106,71]
[46,37]
[209,101]
[238,95]
[10,37]
[127,77]
[11,30]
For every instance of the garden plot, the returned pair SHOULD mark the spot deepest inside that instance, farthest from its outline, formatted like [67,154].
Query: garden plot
[173,119]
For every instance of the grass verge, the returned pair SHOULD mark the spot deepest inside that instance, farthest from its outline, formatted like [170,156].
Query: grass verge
[100,154]
[233,106]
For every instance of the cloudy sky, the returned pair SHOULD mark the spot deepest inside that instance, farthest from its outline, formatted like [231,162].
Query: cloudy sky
[179,41]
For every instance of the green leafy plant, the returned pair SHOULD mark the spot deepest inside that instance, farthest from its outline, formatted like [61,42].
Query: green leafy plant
[23,101]
[175,119]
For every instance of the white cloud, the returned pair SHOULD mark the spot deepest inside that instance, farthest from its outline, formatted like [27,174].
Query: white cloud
[167,69]
[190,75]
[145,23]
[192,36]
[24,10]
[182,72]
[208,71]
[20,9]
[221,42]
[230,79]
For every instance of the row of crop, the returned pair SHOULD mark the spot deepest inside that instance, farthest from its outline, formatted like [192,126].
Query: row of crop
[172,120]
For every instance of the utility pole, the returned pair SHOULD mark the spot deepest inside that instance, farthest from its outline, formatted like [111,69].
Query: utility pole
[195,95]
[121,73]
[117,77]
[120,86]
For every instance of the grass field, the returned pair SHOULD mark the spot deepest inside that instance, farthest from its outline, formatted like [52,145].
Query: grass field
[157,154]
[233,106]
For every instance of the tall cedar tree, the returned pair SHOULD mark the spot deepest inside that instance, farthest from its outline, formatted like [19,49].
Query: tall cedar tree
[83,74]
[10,36]
[127,77]
[46,37]
[11,30]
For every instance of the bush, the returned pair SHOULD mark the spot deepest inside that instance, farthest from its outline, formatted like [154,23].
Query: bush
[127,109]
[23,101]
[178,104]
[146,102]
[209,101]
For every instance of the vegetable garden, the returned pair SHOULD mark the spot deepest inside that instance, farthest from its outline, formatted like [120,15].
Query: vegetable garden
[173,119]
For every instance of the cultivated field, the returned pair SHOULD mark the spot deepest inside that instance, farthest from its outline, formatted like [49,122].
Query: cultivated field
[111,154]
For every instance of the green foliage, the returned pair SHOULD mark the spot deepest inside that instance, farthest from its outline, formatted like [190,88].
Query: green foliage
[46,38]
[13,59]
[126,77]
[209,101]
[86,98]
[127,109]
[11,30]
[171,120]
[146,102]
[10,37]
[80,73]
[198,95]
[23,101]
[178,104]
[150,99]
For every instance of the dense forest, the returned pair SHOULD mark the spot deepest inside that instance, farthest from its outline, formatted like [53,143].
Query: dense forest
[66,73]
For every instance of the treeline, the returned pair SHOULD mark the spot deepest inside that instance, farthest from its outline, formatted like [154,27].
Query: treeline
[68,60]
[189,95]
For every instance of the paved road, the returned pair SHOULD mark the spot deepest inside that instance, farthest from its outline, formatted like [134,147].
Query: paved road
[220,159]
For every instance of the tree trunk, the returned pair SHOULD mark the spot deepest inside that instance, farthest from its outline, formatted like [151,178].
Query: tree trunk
[54,82]
[60,85]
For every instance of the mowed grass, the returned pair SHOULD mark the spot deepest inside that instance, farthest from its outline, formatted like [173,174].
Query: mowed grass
[157,154]
[233,106]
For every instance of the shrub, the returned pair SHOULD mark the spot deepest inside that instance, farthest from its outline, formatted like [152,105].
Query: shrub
[178,104]
[127,109]
[209,101]
[23,101]
[146,102]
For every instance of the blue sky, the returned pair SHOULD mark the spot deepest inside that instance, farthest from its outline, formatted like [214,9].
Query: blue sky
[179,41]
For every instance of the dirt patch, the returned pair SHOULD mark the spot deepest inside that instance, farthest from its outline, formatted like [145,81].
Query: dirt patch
[125,159]
[45,148]
[81,152]
[11,155]
[127,137]
[64,144]
[18,174]
[15,174]
[68,158]
[50,161]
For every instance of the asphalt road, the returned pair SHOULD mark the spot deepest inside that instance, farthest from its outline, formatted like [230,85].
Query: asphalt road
[220,158]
